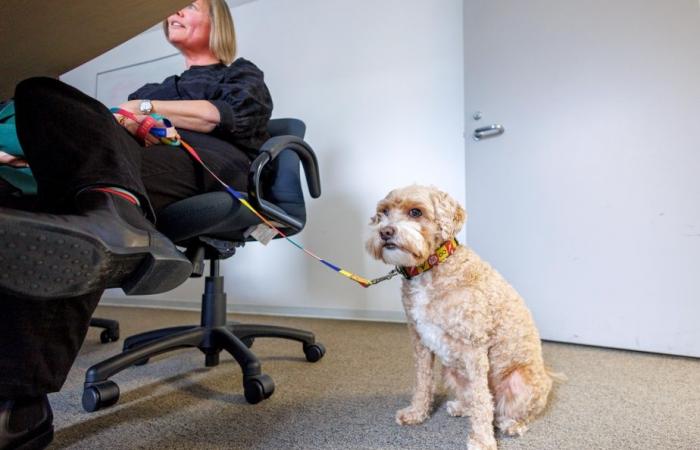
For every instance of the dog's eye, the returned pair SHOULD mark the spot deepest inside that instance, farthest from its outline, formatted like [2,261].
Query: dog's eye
[415,212]
[385,211]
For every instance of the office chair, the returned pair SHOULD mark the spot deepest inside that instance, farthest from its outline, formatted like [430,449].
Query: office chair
[211,226]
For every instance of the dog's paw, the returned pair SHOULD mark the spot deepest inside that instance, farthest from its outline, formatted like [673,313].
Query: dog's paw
[481,442]
[512,428]
[457,408]
[410,416]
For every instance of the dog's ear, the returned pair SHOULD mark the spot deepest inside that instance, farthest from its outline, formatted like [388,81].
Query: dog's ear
[449,215]
[376,218]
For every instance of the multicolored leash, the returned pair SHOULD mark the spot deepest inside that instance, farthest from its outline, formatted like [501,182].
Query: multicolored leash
[169,136]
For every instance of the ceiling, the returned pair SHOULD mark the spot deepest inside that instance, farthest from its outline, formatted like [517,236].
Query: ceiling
[51,38]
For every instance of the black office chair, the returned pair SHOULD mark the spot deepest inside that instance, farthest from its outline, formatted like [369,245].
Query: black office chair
[211,226]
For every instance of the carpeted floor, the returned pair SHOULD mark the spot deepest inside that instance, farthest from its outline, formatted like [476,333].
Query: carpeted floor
[612,400]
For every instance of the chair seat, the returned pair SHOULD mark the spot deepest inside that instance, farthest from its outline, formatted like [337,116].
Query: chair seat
[215,214]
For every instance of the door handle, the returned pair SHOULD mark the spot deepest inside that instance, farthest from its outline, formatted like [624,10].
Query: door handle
[488,132]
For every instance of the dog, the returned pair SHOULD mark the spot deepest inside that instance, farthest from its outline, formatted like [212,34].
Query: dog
[465,313]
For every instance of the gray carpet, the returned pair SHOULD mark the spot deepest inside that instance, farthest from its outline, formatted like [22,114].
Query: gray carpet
[612,400]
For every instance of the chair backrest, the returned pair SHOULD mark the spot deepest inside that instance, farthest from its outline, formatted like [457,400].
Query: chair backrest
[283,179]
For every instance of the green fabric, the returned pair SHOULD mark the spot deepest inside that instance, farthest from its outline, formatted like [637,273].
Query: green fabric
[21,178]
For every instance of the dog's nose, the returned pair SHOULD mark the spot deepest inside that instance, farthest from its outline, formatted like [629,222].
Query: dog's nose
[387,232]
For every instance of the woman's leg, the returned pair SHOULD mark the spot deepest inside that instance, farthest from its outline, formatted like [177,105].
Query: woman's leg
[72,142]
[39,340]
[171,174]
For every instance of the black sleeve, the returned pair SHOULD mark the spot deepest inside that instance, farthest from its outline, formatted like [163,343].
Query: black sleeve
[167,90]
[243,101]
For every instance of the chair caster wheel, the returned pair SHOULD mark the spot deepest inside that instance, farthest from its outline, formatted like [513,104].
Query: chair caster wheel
[258,388]
[100,395]
[108,335]
[211,359]
[314,352]
[248,341]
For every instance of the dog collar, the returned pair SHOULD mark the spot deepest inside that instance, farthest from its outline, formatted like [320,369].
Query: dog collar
[440,255]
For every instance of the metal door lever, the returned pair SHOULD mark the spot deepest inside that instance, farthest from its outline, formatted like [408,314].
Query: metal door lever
[488,132]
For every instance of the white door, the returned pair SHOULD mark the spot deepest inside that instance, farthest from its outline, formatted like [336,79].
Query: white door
[589,203]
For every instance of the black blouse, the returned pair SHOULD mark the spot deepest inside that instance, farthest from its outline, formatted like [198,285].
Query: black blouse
[238,91]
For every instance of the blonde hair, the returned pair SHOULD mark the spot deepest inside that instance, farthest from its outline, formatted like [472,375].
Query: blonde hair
[222,37]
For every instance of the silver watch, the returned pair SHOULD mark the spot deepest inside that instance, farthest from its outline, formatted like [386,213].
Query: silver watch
[146,107]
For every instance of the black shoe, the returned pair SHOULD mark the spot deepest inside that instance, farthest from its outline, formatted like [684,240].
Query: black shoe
[109,244]
[26,423]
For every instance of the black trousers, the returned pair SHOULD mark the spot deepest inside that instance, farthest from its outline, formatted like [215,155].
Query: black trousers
[72,142]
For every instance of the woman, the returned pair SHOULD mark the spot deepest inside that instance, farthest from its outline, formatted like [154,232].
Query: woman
[213,104]
[104,188]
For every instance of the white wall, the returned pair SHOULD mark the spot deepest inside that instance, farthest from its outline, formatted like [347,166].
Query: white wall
[380,87]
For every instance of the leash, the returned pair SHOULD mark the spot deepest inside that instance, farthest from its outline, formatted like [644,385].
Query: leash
[169,136]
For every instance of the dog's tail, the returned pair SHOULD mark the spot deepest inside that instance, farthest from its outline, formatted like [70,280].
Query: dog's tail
[557,377]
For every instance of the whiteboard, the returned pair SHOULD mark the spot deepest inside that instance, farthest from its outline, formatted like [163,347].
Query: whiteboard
[113,86]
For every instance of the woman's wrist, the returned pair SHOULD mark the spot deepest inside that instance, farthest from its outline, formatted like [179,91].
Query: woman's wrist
[132,106]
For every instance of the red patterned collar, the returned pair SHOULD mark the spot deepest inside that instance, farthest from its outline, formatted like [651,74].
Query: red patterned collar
[440,255]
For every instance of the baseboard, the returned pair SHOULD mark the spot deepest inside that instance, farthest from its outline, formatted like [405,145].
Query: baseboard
[286,311]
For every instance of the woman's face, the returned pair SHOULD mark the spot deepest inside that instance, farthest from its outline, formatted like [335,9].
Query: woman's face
[188,29]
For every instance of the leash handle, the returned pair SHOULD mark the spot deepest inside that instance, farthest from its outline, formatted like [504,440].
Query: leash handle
[167,135]
[145,127]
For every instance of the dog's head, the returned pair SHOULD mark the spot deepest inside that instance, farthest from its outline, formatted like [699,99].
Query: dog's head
[411,223]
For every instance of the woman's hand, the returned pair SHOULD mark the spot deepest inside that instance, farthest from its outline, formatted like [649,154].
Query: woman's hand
[11,160]
[132,126]
[132,106]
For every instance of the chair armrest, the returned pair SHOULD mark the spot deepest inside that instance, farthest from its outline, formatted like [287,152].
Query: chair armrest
[268,152]
[274,146]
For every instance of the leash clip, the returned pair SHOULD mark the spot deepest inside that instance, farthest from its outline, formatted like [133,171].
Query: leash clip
[388,276]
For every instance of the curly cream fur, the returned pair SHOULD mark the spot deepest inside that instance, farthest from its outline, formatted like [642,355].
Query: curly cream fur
[465,313]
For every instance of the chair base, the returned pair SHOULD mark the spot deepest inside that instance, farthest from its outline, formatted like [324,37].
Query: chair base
[246,333]
[234,337]
[213,336]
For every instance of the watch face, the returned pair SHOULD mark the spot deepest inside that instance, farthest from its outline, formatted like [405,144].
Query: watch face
[146,107]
